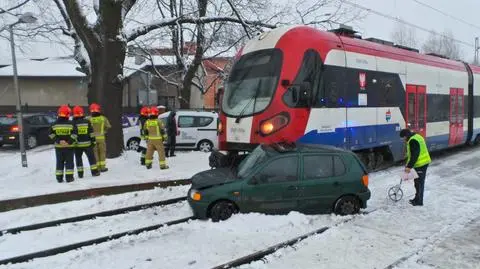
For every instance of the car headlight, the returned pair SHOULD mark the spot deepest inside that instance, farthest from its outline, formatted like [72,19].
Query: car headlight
[195,195]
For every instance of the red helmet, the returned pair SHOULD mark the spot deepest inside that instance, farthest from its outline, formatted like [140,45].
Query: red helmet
[78,111]
[94,108]
[154,111]
[145,111]
[64,111]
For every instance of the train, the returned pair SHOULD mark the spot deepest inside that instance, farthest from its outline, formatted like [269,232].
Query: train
[301,84]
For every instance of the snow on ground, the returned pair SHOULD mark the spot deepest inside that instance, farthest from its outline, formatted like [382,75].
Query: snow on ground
[12,245]
[31,215]
[379,239]
[39,177]
[395,230]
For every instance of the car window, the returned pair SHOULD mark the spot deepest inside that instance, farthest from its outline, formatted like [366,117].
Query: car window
[7,120]
[338,166]
[204,121]
[35,120]
[50,119]
[317,166]
[186,121]
[279,170]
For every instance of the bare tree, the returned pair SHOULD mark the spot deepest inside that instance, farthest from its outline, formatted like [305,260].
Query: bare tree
[443,44]
[403,35]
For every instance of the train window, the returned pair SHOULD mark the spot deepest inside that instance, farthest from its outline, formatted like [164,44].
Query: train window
[310,71]
[411,109]
[421,110]
[386,96]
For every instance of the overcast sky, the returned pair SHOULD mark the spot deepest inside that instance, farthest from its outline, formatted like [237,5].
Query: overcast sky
[372,25]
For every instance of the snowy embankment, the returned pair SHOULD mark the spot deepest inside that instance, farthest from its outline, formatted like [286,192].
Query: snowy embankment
[39,177]
[44,213]
[452,198]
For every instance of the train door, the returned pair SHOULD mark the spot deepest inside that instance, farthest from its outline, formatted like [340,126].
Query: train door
[416,108]
[456,116]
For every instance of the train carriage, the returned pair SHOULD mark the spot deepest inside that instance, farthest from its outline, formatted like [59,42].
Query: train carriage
[298,83]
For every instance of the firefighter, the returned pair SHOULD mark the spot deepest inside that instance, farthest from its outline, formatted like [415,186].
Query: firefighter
[418,158]
[100,126]
[85,142]
[64,134]
[144,112]
[155,134]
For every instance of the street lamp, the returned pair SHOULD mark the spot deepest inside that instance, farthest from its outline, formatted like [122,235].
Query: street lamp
[24,18]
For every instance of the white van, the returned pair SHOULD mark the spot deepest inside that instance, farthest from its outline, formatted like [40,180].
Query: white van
[196,130]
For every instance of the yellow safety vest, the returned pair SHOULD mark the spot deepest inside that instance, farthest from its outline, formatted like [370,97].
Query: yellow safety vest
[423,156]
[99,123]
[154,130]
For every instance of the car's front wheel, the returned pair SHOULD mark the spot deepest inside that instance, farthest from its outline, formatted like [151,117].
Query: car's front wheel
[133,143]
[205,146]
[347,205]
[222,210]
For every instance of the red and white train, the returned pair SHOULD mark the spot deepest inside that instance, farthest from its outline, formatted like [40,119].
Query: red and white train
[332,87]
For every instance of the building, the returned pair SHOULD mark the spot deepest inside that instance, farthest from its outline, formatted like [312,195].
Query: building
[44,84]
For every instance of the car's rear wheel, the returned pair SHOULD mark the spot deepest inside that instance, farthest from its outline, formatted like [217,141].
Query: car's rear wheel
[205,146]
[32,141]
[222,210]
[133,143]
[347,205]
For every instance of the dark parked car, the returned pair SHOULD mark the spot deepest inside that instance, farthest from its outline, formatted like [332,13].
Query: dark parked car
[278,179]
[36,127]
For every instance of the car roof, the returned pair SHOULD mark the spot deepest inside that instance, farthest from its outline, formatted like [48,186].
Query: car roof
[281,148]
[192,113]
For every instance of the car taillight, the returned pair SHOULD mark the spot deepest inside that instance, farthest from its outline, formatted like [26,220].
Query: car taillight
[219,126]
[272,125]
[14,129]
[365,180]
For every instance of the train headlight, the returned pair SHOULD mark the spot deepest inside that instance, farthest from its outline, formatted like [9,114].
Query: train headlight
[274,124]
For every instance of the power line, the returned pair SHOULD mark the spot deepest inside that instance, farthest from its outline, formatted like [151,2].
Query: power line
[404,22]
[446,14]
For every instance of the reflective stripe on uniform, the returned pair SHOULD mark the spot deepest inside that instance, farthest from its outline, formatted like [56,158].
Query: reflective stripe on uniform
[93,167]
[83,144]
[80,169]
[69,172]
[59,172]
[163,162]
[148,161]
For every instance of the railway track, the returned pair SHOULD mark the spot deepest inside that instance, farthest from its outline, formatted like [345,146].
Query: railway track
[258,255]
[66,248]
[107,213]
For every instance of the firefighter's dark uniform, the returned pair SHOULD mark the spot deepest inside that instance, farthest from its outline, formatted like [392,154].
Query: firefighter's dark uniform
[155,134]
[64,130]
[85,143]
[418,158]
[100,126]
[142,150]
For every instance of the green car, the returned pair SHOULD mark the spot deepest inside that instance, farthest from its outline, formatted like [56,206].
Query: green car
[277,179]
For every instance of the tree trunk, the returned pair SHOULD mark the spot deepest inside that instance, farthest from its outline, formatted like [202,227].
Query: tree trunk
[106,87]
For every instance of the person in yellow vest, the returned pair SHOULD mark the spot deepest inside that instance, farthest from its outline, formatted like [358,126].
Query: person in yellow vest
[155,134]
[418,158]
[100,126]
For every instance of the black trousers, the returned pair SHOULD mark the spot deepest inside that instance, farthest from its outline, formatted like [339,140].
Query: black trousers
[170,148]
[420,184]
[64,162]
[91,160]
[143,152]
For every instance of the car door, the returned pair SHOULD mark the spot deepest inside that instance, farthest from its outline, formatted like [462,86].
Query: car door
[273,188]
[321,182]
[207,129]
[188,131]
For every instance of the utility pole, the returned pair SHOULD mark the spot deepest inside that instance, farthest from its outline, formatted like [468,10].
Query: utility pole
[477,47]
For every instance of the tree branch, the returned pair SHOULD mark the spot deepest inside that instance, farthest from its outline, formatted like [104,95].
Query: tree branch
[14,7]
[80,23]
[245,26]
[143,30]
[127,6]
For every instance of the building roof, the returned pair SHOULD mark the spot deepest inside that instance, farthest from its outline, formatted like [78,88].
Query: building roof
[45,68]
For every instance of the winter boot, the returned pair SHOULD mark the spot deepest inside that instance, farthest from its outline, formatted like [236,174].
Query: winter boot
[95,172]
[80,174]
[103,169]
[69,178]
[142,160]
[164,166]
[59,179]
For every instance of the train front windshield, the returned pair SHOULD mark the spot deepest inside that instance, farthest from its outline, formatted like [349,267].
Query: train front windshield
[252,83]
